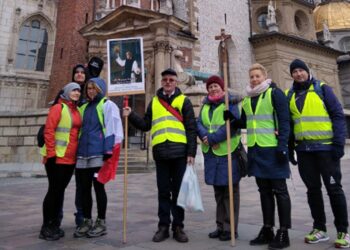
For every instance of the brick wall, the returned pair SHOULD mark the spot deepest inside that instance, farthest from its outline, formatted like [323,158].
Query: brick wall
[18,132]
[70,46]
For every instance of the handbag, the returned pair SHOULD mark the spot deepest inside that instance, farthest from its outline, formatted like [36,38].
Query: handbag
[242,160]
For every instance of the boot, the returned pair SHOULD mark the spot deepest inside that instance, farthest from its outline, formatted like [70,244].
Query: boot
[265,236]
[99,229]
[215,234]
[280,241]
[161,234]
[83,229]
[48,232]
[179,235]
[225,236]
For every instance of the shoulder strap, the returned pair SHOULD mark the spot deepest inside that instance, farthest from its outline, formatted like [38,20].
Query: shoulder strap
[173,111]
[290,94]
[318,89]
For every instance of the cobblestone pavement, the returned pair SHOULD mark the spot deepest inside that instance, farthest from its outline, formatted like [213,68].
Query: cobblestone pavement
[21,217]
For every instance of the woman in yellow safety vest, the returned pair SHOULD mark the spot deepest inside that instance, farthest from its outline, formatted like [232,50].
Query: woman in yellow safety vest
[266,117]
[61,141]
[212,132]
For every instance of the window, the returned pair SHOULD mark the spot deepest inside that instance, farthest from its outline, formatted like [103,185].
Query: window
[262,20]
[301,21]
[345,44]
[32,46]
[134,3]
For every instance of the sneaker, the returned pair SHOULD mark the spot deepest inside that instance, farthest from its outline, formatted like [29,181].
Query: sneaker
[99,229]
[316,236]
[83,229]
[280,241]
[49,233]
[342,241]
[161,234]
[265,236]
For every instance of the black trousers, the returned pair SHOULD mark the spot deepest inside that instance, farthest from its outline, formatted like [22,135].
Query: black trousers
[86,179]
[58,176]
[222,199]
[313,166]
[169,177]
[269,190]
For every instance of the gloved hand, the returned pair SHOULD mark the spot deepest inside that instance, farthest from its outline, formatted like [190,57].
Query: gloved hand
[281,156]
[51,161]
[106,157]
[337,151]
[228,115]
[292,158]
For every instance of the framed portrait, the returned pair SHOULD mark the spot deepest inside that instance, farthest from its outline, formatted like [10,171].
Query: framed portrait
[125,66]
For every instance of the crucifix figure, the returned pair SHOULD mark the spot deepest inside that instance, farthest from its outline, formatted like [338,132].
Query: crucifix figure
[223,56]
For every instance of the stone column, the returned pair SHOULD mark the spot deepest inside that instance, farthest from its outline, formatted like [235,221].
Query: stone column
[152,5]
[108,4]
[113,4]
[160,48]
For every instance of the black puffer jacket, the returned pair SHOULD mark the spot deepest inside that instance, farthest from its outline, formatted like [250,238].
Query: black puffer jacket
[167,149]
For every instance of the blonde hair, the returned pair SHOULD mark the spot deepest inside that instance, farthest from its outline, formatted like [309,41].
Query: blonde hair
[258,66]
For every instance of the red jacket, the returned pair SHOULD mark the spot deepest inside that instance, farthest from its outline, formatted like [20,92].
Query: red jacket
[52,121]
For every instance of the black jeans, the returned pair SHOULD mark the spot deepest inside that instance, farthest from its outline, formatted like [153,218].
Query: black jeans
[86,178]
[58,176]
[169,177]
[269,189]
[312,166]
[222,199]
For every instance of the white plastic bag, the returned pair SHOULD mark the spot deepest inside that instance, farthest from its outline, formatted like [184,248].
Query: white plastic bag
[189,195]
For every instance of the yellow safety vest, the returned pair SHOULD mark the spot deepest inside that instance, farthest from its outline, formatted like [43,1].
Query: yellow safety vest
[312,124]
[213,125]
[62,133]
[100,115]
[261,123]
[165,126]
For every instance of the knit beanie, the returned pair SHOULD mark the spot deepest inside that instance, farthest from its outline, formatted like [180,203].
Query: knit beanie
[95,66]
[69,87]
[297,63]
[215,79]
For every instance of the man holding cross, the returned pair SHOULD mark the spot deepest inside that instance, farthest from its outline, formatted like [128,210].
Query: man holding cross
[170,117]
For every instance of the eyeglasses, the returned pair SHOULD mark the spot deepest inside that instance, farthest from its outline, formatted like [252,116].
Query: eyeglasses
[171,80]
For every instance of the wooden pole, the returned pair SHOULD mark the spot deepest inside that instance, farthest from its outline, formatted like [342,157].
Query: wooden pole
[224,57]
[125,198]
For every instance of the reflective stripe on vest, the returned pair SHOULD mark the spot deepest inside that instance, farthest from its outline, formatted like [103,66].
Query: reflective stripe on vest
[62,133]
[313,123]
[165,126]
[213,125]
[99,109]
[260,125]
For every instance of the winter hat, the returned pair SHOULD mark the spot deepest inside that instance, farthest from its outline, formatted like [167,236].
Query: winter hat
[169,71]
[215,79]
[95,66]
[297,63]
[68,88]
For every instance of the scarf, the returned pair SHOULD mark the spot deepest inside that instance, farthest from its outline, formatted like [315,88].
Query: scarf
[257,90]
[215,99]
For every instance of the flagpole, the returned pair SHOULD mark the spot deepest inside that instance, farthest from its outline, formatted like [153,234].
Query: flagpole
[125,198]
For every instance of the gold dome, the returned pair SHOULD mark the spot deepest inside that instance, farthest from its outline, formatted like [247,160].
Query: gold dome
[335,13]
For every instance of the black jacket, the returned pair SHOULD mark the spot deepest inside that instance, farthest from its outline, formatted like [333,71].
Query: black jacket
[167,149]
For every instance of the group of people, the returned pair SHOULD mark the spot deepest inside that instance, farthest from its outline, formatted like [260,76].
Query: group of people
[307,119]
[83,132]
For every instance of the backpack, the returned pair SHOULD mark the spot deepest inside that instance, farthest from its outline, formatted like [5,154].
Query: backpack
[317,88]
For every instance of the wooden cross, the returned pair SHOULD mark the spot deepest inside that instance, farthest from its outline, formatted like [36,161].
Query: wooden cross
[223,49]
